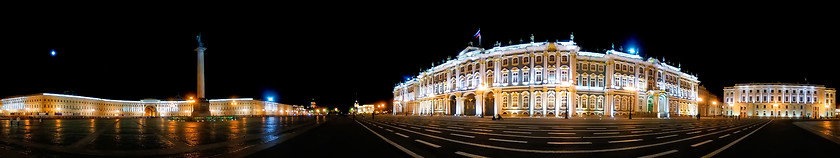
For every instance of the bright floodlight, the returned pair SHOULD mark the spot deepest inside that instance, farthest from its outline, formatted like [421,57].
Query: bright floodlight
[52,53]
[270,98]
[633,51]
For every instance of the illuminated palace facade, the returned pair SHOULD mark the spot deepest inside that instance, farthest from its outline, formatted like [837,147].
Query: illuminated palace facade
[779,100]
[548,79]
[54,105]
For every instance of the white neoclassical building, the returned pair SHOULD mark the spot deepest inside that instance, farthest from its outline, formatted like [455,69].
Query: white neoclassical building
[548,79]
[62,105]
[779,100]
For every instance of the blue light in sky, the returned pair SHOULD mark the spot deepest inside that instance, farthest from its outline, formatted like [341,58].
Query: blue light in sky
[52,52]
[632,51]
[270,98]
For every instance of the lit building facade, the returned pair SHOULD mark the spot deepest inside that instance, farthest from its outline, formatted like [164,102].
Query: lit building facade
[364,109]
[779,100]
[61,105]
[708,104]
[548,79]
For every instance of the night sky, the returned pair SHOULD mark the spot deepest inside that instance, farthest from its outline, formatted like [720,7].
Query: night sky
[338,58]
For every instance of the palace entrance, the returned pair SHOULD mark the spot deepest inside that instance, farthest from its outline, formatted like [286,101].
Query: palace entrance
[150,111]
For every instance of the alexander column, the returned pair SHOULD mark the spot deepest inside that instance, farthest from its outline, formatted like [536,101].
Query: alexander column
[201,108]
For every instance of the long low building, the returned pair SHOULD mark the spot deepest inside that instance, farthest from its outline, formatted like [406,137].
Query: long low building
[779,100]
[62,105]
[548,79]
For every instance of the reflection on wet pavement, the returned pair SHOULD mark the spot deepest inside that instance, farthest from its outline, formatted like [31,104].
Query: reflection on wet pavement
[827,129]
[143,136]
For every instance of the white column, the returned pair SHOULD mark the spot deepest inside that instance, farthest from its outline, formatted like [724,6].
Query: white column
[497,103]
[479,102]
[556,102]
[609,102]
[531,103]
[542,102]
[459,106]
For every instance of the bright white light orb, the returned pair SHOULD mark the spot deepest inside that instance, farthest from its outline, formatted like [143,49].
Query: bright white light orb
[52,52]
[633,51]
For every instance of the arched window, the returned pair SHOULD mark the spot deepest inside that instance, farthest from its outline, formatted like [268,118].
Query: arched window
[505,77]
[538,75]
[551,75]
[592,102]
[600,81]
[617,80]
[460,84]
[592,80]
[515,79]
[538,100]
[551,100]
[577,101]
[489,78]
[504,100]
[539,59]
[564,75]
[617,103]
[563,100]
[469,81]
[526,74]
[584,102]
[600,102]
[526,100]
[477,79]
[514,101]
[563,58]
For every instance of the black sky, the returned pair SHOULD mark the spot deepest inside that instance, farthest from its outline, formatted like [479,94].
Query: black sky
[338,57]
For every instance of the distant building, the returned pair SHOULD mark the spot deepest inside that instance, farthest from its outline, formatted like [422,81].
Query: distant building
[548,79]
[62,105]
[779,100]
[708,103]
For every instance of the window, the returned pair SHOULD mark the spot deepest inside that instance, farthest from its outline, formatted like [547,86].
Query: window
[583,102]
[592,81]
[539,59]
[514,100]
[538,101]
[525,60]
[505,76]
[563,58]
[564,76]
[600,82]
[585,67]
[592,102]
[526,75]
[600,68]
[551,75]
[525,100]
[504,62]
[515,61]
[538,75]
[489,78]
[515,79]
[504,100]
[551,100]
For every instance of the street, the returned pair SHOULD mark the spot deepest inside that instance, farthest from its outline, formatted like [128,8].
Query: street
[448,136]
